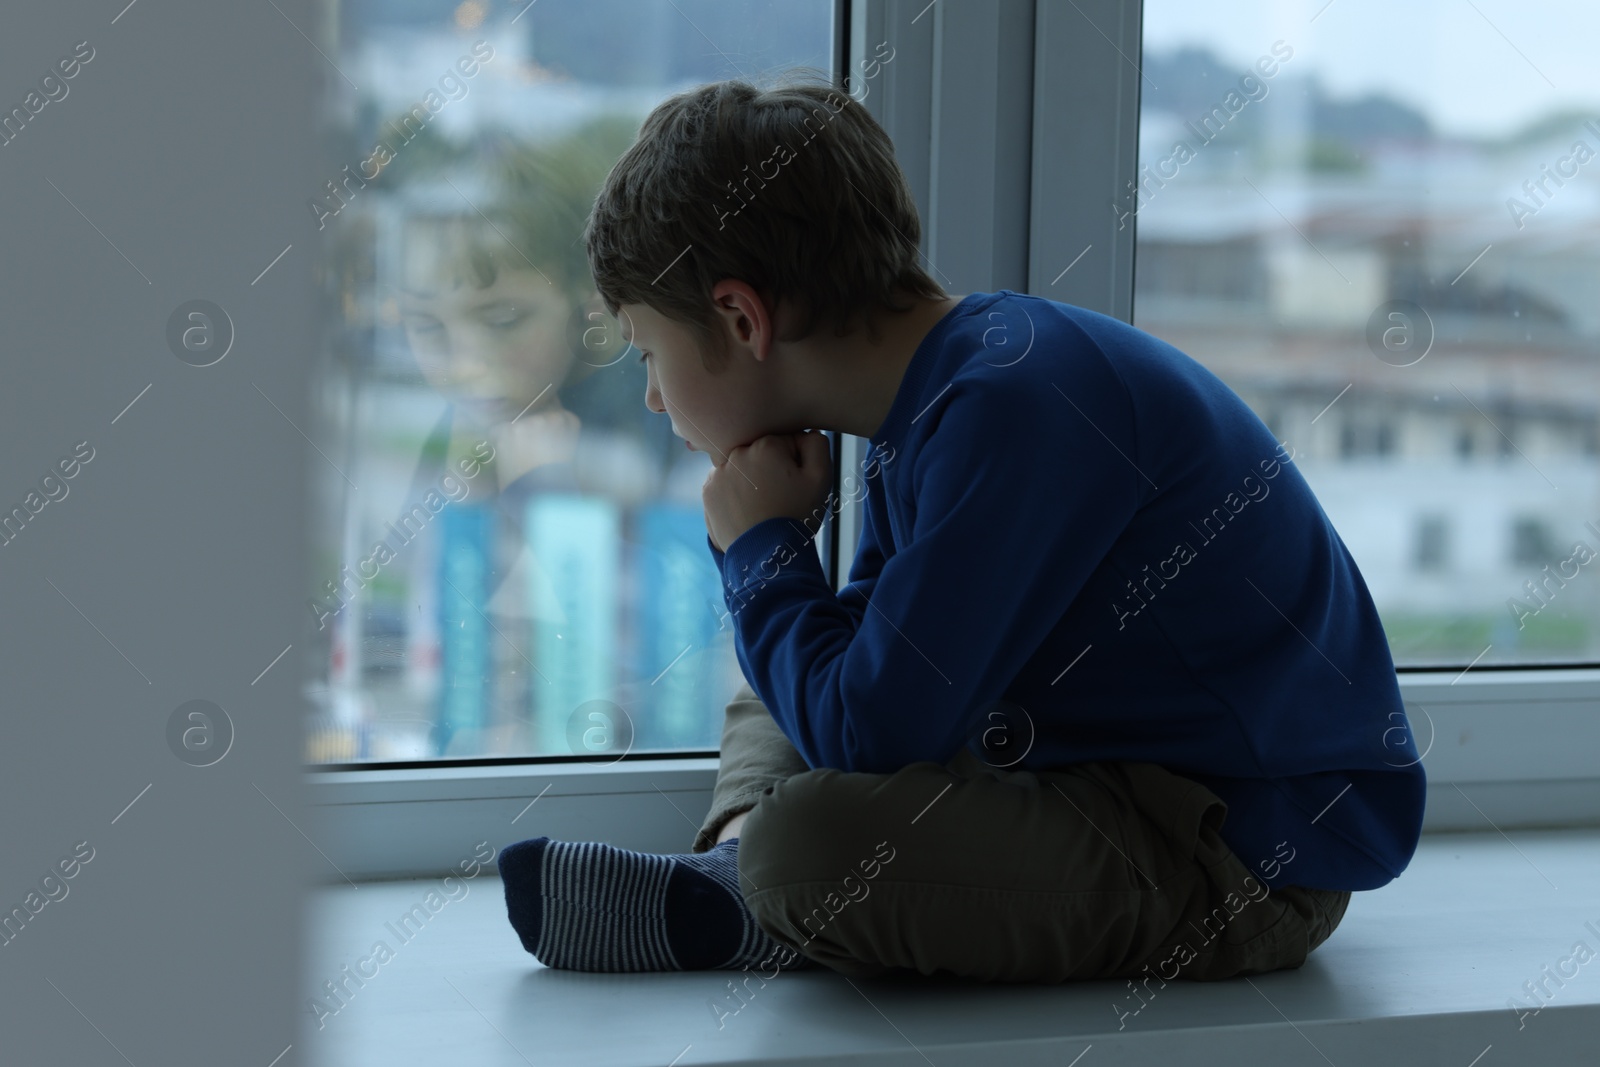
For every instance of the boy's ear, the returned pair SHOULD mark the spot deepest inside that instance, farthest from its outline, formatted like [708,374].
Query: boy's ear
[763,300]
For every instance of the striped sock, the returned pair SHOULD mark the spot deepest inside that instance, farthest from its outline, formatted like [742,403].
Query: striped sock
[587,906]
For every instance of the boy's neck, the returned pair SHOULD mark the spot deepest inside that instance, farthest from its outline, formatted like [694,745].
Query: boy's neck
[853,381]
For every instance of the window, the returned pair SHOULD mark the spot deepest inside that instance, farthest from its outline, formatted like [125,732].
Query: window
[1377,222]
[1433,543]
[1362,436]
[510,551]
[1531,542]
[1034,112]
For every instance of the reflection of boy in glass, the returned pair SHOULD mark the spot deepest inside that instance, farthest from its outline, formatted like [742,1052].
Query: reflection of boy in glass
[499,309]
[492,340]
[532,369]
[525,354]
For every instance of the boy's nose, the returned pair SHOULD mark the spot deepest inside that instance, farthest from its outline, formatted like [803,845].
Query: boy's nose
[471,364]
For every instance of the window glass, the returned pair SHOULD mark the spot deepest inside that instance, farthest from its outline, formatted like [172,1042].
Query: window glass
[1379,223]
[509,549]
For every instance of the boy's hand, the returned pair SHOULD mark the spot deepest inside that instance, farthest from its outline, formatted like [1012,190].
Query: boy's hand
[776,476]
[534,440]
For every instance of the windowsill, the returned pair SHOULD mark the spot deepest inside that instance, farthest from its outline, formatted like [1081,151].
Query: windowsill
[1506,749]
[1425,965]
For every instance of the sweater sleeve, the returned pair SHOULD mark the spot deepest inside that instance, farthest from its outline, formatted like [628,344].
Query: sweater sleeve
[867,564]
[864,568]
[1017,498]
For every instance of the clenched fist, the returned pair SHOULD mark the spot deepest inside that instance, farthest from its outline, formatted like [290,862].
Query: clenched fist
[784,475]
[534,440]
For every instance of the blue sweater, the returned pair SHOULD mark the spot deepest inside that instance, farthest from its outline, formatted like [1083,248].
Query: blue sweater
[1079,545]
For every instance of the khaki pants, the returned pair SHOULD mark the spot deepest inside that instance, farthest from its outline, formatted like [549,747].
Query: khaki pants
[1096,870]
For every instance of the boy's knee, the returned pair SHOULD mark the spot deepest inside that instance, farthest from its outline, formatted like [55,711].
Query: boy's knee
[797,828]
[825,825]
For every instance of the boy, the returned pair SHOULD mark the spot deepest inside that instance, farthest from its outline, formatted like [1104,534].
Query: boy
[1105,695]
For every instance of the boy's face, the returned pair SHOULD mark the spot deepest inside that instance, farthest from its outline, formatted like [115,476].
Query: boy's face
[490,350]
[713,413]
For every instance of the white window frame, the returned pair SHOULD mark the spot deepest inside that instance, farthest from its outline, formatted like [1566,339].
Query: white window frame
[986,104]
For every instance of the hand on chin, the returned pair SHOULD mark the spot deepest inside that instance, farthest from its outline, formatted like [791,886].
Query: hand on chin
[775,476]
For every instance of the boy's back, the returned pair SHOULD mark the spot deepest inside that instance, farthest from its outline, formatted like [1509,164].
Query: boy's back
[1080,535]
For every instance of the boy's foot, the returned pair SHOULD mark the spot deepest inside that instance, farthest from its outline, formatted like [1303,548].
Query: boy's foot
[587,906]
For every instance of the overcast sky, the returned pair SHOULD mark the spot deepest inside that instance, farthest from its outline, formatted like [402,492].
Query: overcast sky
[1444,57]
